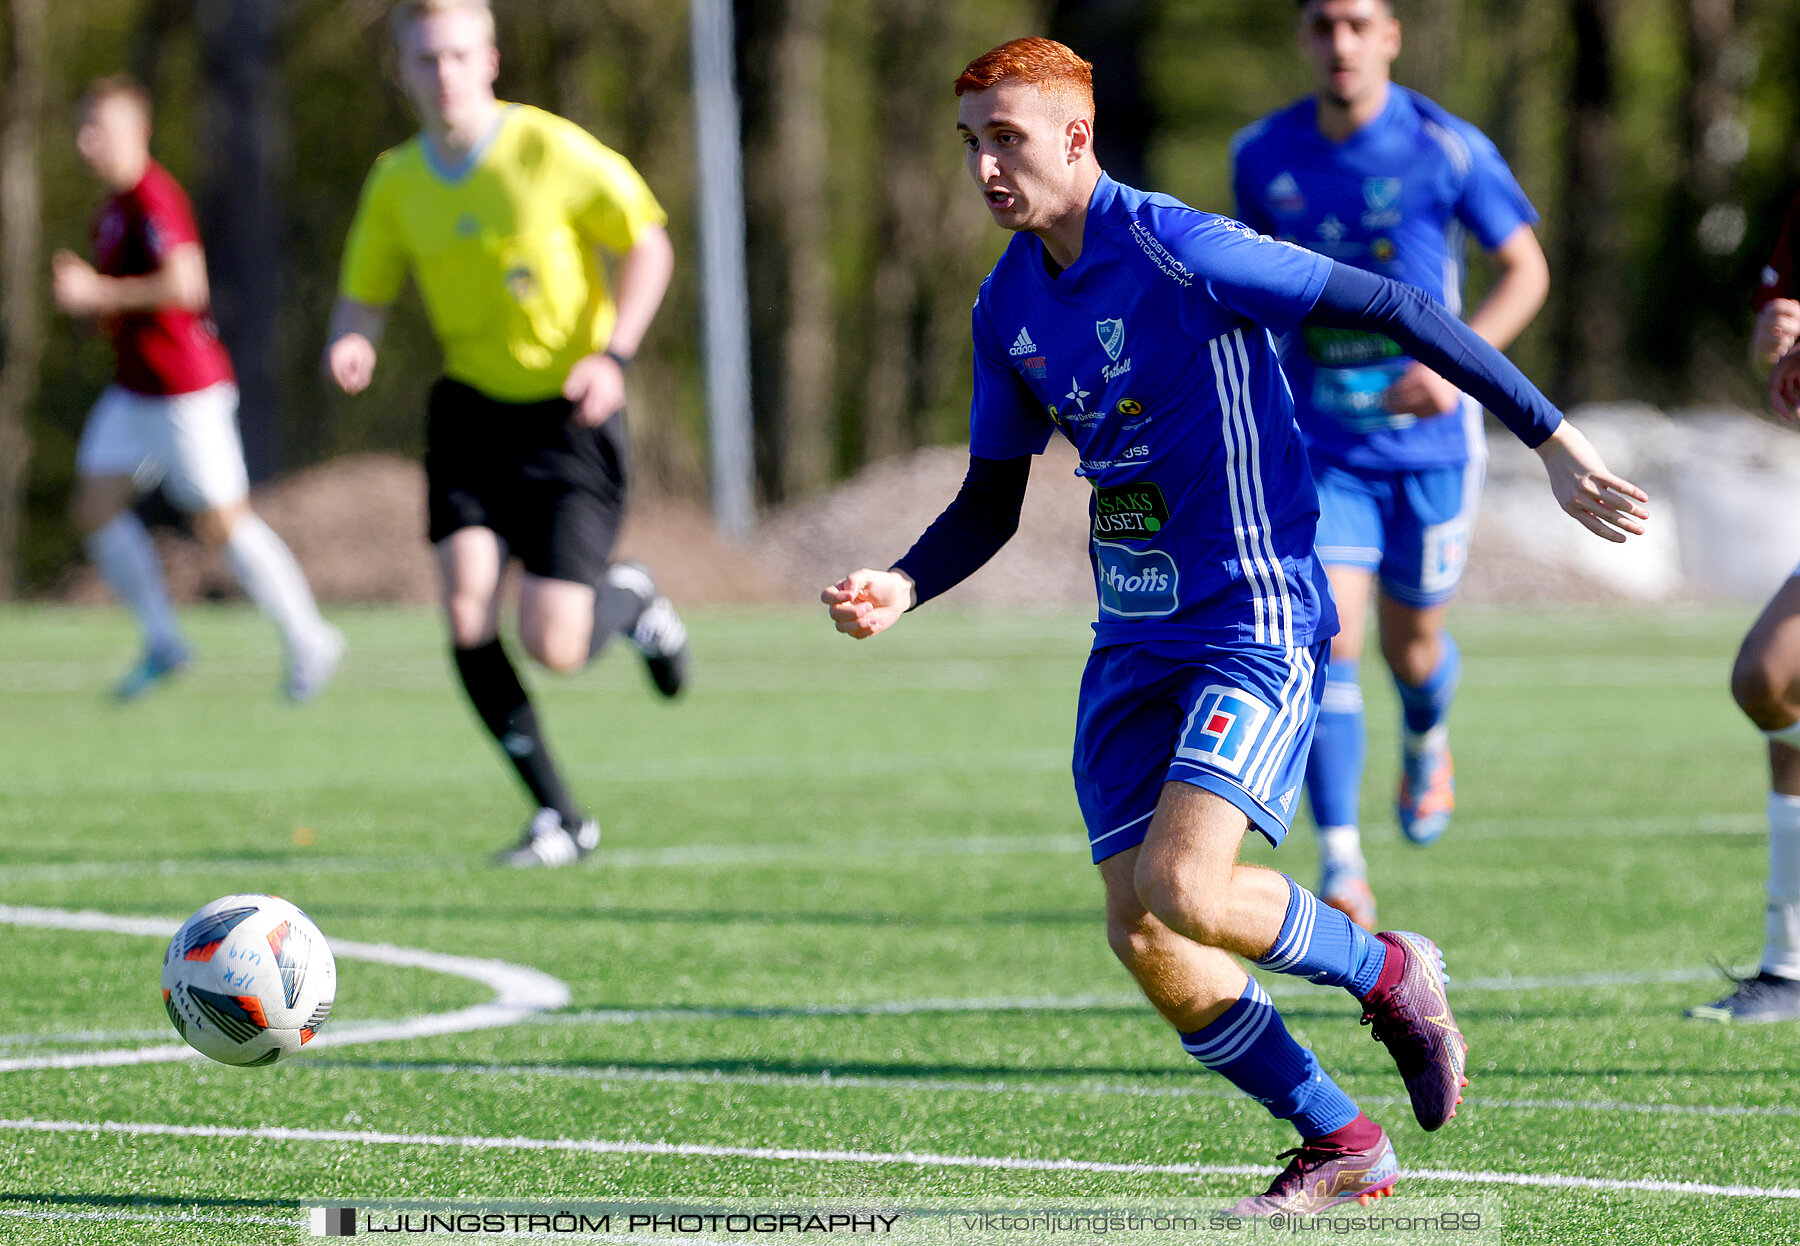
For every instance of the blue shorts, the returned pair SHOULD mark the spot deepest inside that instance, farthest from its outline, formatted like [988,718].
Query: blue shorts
[1412,527]
[1235,721]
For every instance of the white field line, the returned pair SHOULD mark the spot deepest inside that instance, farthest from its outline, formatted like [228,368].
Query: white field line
[828,1080]
[921,1159]
[519,992]
[72,1037]
[526,994]
[706,856]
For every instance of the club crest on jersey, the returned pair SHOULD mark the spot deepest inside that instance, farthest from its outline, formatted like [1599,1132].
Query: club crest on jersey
[1133,583]
[1381,193]
[110,232]
[1223,729]
[1112,337]
[521,283]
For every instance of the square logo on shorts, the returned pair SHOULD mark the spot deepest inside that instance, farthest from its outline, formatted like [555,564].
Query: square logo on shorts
[1446,554]
[1223,729]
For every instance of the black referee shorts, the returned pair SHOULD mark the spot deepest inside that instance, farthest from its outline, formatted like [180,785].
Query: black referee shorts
[553,490]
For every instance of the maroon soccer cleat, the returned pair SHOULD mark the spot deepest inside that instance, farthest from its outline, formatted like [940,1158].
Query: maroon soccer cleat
[1320,1177]
[1409,1011]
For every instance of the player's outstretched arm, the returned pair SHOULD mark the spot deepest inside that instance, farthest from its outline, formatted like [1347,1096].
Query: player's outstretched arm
[866,602]
[1607,505]
[178,282]
[1521,284]
[356,327]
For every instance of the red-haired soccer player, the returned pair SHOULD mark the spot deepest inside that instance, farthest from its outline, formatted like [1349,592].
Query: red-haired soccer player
[170,415]
[1766,678]
[501,213]
[1141,330]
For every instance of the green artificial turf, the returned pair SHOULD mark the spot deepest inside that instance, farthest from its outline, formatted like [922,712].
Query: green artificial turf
[843,904]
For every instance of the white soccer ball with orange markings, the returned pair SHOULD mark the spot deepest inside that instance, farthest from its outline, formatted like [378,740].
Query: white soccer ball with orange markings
[248,980]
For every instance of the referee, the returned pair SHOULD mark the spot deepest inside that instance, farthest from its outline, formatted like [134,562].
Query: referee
[500,212]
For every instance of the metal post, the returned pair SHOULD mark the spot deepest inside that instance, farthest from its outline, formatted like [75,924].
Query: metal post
[724,288]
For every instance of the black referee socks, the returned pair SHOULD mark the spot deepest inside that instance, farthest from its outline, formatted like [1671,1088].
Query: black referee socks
[499,698]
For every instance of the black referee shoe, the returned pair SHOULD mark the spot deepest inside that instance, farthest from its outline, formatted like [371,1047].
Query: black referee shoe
[662,638]
[658,633]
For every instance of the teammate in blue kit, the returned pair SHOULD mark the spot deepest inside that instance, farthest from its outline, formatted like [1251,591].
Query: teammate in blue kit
[1378,177]
[1140,329]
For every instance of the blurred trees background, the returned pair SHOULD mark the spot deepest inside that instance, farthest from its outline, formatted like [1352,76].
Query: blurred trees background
[1657,138]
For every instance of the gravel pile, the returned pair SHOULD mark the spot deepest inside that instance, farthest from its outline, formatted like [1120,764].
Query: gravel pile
[357,524]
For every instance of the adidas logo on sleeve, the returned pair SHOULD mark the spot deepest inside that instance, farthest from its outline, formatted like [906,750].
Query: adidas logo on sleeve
[1023,345]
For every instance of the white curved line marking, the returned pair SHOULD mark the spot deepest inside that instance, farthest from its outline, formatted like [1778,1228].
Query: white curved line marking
[519,992]
[922,1159]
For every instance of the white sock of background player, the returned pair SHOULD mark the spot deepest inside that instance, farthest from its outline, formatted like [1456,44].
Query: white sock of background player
[1781,948]
[127,561]
[261,563]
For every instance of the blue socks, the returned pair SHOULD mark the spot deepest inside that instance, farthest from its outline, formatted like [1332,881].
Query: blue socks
[1320,944]
[1340,745]
[1427,706]
[1253,1050]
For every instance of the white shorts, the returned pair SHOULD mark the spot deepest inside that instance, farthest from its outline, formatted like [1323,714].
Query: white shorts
[188,443]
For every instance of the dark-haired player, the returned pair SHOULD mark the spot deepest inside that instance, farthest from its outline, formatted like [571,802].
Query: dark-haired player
[1380,178]
[1140,329]
[170,415]
[501,213]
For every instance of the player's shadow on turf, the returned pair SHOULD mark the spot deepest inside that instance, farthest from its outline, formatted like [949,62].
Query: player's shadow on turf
[835,1069]
[773,916]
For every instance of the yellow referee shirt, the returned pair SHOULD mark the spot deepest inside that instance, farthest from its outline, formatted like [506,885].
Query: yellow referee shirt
[502,249]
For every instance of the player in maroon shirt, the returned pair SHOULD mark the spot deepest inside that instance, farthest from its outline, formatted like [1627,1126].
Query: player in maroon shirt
[170,415]
[1766,678]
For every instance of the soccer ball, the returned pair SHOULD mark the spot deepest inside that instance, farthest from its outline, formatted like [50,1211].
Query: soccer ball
[248,980]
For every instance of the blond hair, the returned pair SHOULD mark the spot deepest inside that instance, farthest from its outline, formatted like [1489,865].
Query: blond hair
[406,12]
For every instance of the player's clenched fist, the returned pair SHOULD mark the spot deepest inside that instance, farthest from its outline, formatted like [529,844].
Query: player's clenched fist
[865,602]
[1777,329]
[1421,392]
[351,361]
[1784,387]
